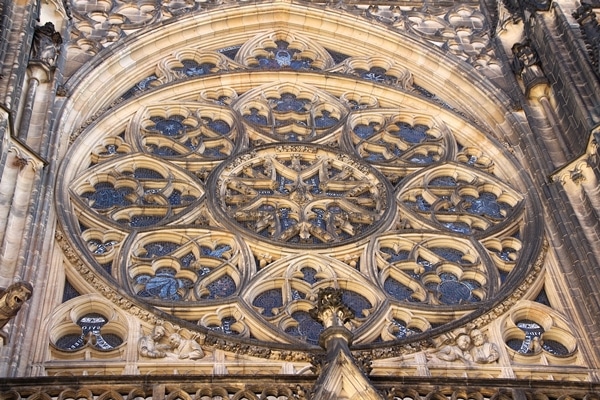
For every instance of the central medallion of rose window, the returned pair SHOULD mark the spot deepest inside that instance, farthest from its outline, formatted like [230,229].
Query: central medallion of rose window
[302,195]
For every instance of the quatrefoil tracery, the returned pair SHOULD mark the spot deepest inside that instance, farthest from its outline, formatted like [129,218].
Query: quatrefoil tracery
[428,269]
[283,49]
[290,113]
[185,265]
[193,131]
[284,293]
[136,192]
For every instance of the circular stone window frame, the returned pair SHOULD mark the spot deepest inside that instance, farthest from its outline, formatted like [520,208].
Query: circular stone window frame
[484,104]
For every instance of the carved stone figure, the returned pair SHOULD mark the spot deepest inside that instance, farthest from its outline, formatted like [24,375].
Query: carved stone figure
[457,351]
[527,64]
[12,299]
[46,44]
[482,352]
[185,348]
[148,345]
[469,348]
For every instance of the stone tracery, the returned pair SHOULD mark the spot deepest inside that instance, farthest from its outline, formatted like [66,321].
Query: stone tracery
[236,151]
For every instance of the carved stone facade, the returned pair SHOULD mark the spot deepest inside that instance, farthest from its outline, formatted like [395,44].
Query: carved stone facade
[299,200]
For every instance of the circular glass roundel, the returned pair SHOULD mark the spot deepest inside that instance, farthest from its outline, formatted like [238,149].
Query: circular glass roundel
[297,195]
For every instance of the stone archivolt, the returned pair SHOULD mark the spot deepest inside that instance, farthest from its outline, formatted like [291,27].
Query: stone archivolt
[337,175]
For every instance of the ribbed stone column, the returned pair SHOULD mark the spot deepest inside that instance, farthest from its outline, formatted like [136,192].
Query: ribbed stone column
[17,218]
[7,188]
[28,108]
[584,210]
[590,184]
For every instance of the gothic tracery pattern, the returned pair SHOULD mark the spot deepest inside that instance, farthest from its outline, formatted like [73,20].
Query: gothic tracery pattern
[354,181]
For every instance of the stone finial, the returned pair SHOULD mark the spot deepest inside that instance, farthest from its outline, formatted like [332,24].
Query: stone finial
[590,30]
[12,299]
[331,310]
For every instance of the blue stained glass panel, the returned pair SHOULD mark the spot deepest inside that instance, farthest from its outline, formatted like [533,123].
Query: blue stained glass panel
[158,249]
[356,302]
[147,173]
[449,254]
[289,102]
[412,134]
[138,221]
[395,256]
[403,330]
[325,120]
[255,117]
[554,347]
[365,131]
[192,68]
[443,181]
[222,287]
[454,292]
[268,301]
[226,326]
[397,290]
[458,227]
[163,151]
[107,196]
[219,126]
[307,327]
[310,275]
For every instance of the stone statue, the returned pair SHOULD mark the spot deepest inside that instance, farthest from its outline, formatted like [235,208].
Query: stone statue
[148,345]
[185,348]
[46,44]
[469,348]
[457,351]
[12,299]
[482,352]
[526,64]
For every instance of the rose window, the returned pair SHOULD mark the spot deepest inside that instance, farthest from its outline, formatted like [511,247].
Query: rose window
[244,180]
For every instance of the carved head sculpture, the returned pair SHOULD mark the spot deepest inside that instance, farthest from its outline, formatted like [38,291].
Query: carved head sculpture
[477,337]
[175,340]
[158,332]
[12,299]
[463,341]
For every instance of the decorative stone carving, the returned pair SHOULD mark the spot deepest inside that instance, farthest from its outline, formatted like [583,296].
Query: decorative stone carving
[330,309]
[457,350]
[468,347]
[149,346]
[185,348]
[536,5]
[301,195]
[12,299]
[460,29]
[46,44]
[527,64]
[448,187]
[482,351]
[586,17]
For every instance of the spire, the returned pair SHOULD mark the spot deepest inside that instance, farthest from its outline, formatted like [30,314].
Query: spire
[340,376]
